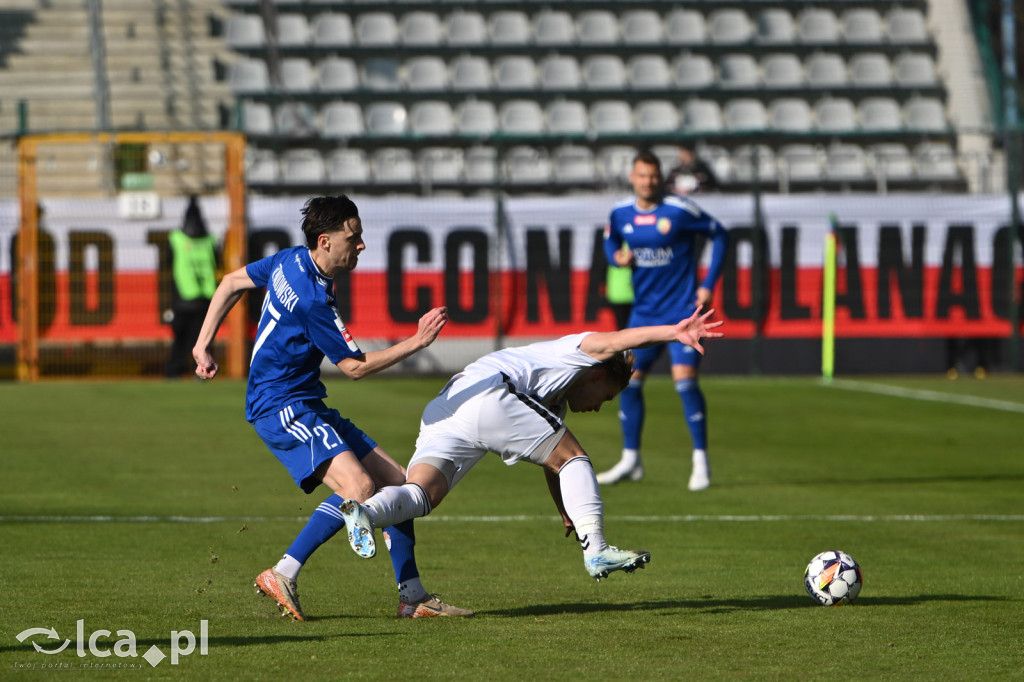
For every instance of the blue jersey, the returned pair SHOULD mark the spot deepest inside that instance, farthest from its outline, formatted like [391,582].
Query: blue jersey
[298,327]
[663,241]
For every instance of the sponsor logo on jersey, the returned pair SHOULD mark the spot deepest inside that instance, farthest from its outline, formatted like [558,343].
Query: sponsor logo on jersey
[645,219]
[298,262]
[664,225]
[652,258]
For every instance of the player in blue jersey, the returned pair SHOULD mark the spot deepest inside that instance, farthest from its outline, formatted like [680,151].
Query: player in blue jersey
[662,233]
[298,328]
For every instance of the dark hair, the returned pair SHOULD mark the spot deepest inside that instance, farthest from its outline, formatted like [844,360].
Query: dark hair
[618,368]
[648,157]
[326,214]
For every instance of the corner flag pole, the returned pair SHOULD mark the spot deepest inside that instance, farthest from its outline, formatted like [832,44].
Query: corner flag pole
[828,302]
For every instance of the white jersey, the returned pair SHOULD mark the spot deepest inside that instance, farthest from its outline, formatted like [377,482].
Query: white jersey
[541,370]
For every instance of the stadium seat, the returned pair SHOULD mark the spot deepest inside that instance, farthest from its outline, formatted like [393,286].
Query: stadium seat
[440,165]
[257,118]
[729,27]
[244,31]
[649,72]
[862,25]
[527,165]
[611,117]
[521,117]
[743,163]
[509,27]
[261,166]
[906,25]
[393,165]
[924,114]
[420,29]
[775,26]
[481,164]
[892,160]
[385,118]
[685,27]
[348,166]
[515,72]
[431,117]
[782,70]
[567,117]
[248,76]
[825,70]
[614,162]
[846,163]
[604,72]
[292,30]
[553,27]
[915,69]
[935,161]
[337,74]
[426,73]
[641,27]
[297,75]
[719,159]
[476,118]
[835,115]
[745,113]
[870,69]
[559,72]
[295,119]
[702,115]
[791,114]
[376,29]
[800,162]
[693,71]
[470,72]
[818,26]
[656,116]
[331,29]
[738,70]
[668,155]
[302,166]
[342,120]
[597,27]
[382,74]
[465,29]
[573,164]
[879,114]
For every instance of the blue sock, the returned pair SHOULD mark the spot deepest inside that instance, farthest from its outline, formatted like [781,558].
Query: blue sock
[695,410]
[400,547]
[631,414]
[325,522]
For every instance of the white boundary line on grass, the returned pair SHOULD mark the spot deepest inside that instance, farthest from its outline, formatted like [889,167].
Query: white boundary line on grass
[929,396]
[709,518]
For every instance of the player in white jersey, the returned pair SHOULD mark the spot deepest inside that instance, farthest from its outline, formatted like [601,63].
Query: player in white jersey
[513,402]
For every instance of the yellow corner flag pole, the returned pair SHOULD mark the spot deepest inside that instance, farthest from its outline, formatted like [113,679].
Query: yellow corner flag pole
[828,302]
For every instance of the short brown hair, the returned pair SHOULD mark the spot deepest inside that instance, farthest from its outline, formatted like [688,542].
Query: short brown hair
[648,157]
[326,214]
[618,368]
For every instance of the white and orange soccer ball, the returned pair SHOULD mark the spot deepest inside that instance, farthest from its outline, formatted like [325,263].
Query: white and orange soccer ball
[833,578]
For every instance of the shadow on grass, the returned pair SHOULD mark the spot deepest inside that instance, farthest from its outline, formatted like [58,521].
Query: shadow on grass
[713,605]
[142,645]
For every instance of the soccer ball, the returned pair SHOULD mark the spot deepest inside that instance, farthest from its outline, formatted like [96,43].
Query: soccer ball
[833,578]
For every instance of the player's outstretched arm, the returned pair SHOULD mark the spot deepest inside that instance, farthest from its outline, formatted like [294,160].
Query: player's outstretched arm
[224,299]
[602,345]
[430,326]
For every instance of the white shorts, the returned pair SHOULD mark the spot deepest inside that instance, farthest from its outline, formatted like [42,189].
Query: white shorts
[472,417]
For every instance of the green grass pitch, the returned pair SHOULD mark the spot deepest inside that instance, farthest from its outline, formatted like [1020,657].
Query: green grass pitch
[151,506]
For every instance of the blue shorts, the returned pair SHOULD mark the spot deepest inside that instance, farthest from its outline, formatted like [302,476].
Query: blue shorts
[680,353]
[306,434]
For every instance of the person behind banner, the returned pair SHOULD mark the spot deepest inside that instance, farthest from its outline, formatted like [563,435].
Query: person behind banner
[299,326]
[662,231]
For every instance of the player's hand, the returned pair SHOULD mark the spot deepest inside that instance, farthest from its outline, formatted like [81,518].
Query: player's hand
[624,257]
[206,366]
[431,325]
[696,327]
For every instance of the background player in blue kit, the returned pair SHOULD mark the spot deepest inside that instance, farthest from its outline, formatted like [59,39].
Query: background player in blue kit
[662,232]
[298,327]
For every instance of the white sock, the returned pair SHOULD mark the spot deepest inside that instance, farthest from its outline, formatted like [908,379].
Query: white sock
[582,501]
[412,591]
[288,566]
[700,460]
[395,504]
[630,458]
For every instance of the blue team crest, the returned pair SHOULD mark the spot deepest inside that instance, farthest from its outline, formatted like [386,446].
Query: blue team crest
[664,225]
